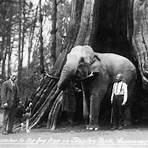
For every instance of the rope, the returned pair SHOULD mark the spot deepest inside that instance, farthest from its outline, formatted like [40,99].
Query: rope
[92,74]
[52,77]
[57,78]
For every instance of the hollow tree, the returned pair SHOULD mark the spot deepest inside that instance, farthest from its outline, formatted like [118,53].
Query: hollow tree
[118,26]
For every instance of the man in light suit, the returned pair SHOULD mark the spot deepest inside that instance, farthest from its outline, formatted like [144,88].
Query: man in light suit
[118,100]
[10,100]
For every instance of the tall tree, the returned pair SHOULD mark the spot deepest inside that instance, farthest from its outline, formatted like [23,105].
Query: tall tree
[4,56]
[5,31]
[9,55]
[31,35]
[20,42]
[84,25]
[41,48]
[3,45]
[53,32]
[22,32]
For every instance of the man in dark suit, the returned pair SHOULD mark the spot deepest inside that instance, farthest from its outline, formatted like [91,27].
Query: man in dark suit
[10,100]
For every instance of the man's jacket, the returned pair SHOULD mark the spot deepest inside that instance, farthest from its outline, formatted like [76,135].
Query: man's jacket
[9,94]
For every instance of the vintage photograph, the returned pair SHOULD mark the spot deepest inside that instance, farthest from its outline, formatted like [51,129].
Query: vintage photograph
[73,73]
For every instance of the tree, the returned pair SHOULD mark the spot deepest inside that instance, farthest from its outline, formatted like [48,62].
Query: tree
[53,32]
[139,38]
[5,32]
[41,49]
[20,43]
[31,35]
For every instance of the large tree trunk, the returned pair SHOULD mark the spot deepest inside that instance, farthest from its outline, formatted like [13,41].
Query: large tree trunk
[19,43]
[41,48]
[118,26]
[84,25]
[52,43]
[140,38]
[31,36]
[9,53]
[4,54]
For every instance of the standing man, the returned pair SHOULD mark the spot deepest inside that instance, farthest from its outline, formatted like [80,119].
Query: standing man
[10,100]
[118,100]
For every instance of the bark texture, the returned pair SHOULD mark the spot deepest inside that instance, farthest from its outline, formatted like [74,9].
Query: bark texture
[140,37]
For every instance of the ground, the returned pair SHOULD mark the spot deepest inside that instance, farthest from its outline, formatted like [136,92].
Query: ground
[77,136]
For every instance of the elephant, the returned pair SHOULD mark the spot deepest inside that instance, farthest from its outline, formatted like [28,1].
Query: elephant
[97,72]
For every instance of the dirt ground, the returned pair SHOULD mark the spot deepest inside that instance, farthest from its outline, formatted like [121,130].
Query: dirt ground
[77,136]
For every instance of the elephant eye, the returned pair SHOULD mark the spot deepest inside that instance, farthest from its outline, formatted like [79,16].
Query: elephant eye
[93,60]
[81,65]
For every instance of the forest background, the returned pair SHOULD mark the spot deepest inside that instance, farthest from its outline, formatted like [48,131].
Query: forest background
[32,33]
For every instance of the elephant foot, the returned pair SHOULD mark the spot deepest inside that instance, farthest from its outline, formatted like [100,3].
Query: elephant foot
[92,127]
[127,124]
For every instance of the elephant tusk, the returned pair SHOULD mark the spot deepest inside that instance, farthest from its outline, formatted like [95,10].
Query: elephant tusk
[92,74]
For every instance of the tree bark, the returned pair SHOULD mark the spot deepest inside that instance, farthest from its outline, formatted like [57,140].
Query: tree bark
[9,59]
[4,44]
[9,51]
[84,24]
[23,32]
[4,36]
[3,52]
[41,49]
[31,35]
[140,38]
[19,43]
[53,33]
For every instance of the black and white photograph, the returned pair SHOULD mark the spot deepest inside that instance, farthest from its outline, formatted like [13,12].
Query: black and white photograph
[73,73]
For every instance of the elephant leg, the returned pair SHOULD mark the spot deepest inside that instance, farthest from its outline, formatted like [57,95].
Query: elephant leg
[85,105]
[94,112]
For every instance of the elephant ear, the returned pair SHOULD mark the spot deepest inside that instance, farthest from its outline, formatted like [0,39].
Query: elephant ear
[96,65]
[95,59]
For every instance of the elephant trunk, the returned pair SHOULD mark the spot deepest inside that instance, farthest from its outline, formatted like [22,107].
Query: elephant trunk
[66,75]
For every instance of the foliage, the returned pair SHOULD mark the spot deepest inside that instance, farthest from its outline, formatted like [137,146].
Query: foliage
[63,18]
[29,82]
[19,22]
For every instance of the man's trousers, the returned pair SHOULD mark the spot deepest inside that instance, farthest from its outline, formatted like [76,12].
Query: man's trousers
[118,111]
[8,119]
